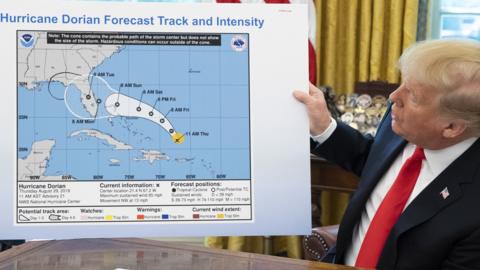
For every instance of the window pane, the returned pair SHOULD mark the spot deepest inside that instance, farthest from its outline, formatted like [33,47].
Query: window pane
[458,26]
[460,6]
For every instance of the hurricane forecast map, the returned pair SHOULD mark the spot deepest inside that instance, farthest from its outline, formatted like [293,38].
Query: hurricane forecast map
[124,126]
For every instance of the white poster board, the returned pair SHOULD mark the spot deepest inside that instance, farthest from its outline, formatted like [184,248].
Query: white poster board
[150,119]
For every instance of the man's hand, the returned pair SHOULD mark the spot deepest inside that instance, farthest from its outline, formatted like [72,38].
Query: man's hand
[316,107]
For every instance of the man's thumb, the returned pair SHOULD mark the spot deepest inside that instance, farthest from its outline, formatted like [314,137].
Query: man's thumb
[301,96]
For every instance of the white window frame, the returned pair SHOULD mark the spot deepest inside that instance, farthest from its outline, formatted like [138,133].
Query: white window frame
[436,13]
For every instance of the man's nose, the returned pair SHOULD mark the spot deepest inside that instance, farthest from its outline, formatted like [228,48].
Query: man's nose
[395,97]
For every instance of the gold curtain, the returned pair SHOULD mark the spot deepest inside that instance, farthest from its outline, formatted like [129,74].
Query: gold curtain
[286,246]
[357,40]
[360,40]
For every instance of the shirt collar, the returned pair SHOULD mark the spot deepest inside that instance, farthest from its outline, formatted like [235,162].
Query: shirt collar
[439,160]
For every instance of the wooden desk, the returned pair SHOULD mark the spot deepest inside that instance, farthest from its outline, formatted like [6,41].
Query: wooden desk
[326,176]
[132,253]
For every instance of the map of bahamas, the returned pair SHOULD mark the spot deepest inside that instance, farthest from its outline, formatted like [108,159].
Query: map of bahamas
[132,106]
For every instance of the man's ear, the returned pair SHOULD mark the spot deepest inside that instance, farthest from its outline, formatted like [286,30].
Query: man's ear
[454,129]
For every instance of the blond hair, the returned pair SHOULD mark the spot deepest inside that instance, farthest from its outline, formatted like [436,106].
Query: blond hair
[451,67]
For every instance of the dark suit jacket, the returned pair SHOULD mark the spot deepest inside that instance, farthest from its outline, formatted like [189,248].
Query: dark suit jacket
[432,232]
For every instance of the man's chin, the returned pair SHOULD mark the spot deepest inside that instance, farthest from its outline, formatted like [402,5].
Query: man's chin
[396,129]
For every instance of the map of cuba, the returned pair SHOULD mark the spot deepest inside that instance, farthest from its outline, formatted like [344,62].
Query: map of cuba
[132,106]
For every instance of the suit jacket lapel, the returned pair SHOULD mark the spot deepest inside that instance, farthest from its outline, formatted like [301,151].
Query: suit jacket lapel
[383,153]
[433,199]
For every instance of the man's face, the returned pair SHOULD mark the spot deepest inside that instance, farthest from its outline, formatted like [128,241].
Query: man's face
[416,115]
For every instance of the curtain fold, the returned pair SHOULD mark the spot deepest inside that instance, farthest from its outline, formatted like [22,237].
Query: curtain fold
[362,40]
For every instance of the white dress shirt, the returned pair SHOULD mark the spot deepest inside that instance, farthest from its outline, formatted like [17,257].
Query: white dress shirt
[435,162]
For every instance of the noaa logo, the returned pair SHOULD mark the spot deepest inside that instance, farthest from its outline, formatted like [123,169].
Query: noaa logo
[27,40]
[238,43]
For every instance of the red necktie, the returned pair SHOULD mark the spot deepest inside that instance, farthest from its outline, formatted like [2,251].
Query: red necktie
[389,210]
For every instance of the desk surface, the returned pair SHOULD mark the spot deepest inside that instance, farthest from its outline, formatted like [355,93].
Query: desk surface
[131,253]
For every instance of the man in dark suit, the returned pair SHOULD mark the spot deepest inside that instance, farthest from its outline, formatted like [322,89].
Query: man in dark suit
[416,206]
